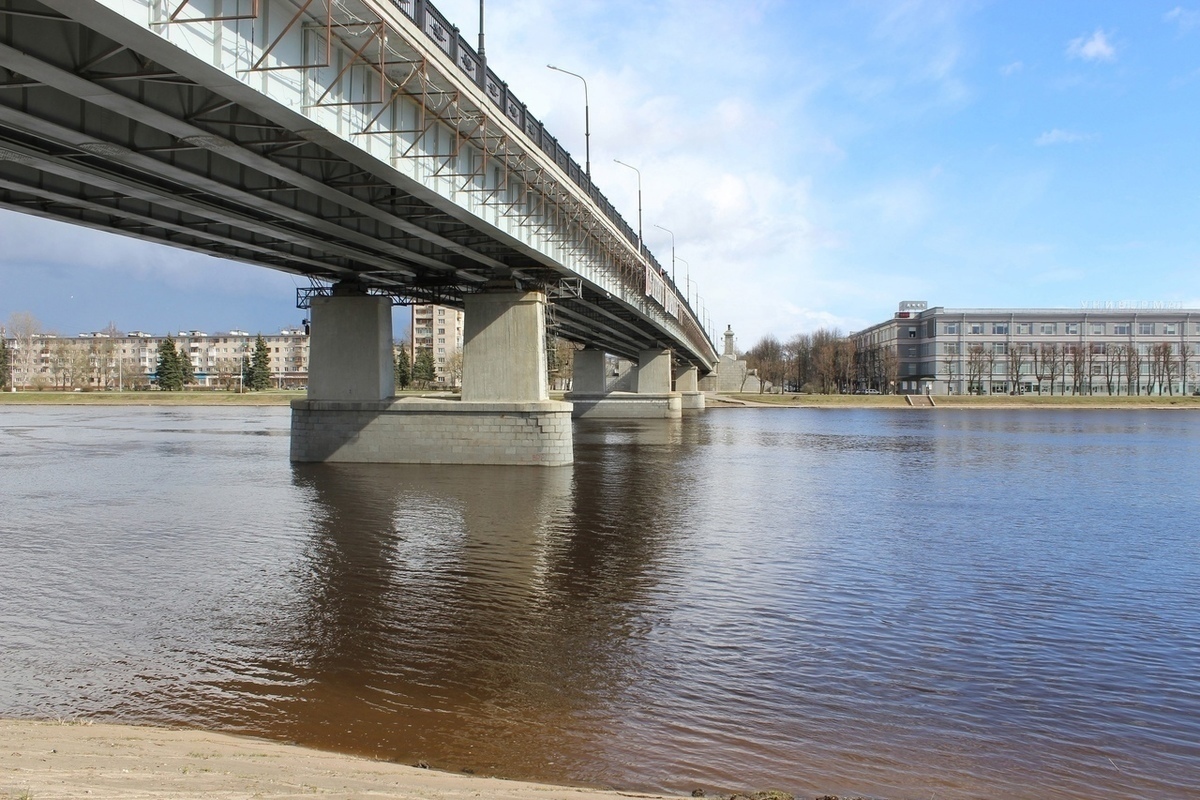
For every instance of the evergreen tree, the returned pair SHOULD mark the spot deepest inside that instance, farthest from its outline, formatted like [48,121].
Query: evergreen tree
[260,366]
[403,369]
[169,370]
[424,372]
[247,374]
[5,362]
[187,374]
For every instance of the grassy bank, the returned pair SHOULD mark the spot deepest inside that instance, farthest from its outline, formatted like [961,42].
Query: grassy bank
[271,397]
[961,401]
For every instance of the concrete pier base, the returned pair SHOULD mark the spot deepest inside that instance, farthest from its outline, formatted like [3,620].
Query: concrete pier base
[688,385]
[652,400]
[626,405]
[427,431]
[505,415]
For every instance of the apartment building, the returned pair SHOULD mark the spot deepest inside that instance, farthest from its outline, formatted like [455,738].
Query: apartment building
[439,329]
[1105,348]
[113,360]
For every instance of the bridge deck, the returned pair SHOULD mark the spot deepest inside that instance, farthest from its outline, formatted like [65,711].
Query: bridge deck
[334,140]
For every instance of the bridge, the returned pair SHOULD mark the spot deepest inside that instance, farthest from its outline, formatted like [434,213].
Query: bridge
[366,145]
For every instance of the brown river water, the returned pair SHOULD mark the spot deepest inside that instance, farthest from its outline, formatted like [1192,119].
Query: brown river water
[902,604]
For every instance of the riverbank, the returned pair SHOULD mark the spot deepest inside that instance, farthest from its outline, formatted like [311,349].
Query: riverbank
[41,760]
[955,401]
[274,397]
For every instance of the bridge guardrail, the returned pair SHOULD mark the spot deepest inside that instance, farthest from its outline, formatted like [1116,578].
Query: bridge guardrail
[438,28]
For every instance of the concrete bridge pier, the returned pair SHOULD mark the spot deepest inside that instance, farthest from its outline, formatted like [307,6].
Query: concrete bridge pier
[687,383]
[504,417]
[652,400]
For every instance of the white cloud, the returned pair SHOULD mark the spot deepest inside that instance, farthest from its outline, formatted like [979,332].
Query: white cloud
[1186,19]
[1059,136]
[1012,69]
[1092,48]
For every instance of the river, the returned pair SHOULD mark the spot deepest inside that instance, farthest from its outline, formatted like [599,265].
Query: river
[901,603]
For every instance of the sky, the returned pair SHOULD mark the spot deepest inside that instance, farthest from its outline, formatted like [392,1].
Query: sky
[818,161]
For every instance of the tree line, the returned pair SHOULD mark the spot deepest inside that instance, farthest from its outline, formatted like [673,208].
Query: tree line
[174,370]
[821,362]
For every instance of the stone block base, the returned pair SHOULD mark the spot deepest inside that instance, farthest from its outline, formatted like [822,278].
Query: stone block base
[619,405]
[425,431]
[692,401]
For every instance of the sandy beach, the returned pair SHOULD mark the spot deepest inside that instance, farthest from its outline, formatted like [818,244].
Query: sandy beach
[45,760]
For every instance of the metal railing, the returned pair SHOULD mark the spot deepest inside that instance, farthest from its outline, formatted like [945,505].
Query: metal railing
[450,41]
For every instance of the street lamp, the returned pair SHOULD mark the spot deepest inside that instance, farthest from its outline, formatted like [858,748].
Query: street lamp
[639,176]
[587,131]
[661,228]
[482,53]
[687,277]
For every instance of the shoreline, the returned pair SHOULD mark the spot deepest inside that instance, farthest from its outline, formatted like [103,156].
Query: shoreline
[68,759]
[283,398]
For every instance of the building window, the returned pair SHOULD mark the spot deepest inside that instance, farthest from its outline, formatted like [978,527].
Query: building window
[1097,329]
[976,328]
[952,328]
[1146,328]
[912,333]
[911,368]
[999,328]
[1024,328]
[1049,328]
[1169,329]
[912,352]
[950,348]
[1000,348]
[1072,328]
[1121,329]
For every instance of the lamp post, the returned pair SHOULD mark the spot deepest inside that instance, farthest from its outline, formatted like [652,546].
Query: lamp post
[482,54]
[639,177]
[587,129]
[687,278]
[668,230]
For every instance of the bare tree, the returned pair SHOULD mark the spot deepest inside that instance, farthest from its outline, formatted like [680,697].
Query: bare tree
[1051,356]
[1133,369]
[844,358]
[1162,362]
[1110,365]
[24,328]
[989,357]
[766,358]
[800,347]
[1185,358]
[454,367]
[977,362]
[1016,360]
[1037,365]
[889,365]
[950,360]
[825,358]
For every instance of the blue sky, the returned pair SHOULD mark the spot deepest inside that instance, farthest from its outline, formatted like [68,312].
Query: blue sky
[818,161]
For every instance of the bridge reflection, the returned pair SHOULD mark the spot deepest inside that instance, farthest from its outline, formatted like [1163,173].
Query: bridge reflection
[472,616]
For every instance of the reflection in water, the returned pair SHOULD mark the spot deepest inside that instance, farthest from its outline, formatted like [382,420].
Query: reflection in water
[900,604]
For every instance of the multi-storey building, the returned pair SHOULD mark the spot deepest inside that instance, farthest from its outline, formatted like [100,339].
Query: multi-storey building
[1110,349]
[439,329]
[112,360]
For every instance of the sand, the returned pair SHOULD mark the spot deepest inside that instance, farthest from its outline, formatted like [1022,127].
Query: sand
[51,760]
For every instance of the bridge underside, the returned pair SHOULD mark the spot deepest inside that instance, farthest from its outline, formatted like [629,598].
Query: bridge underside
[106,125]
